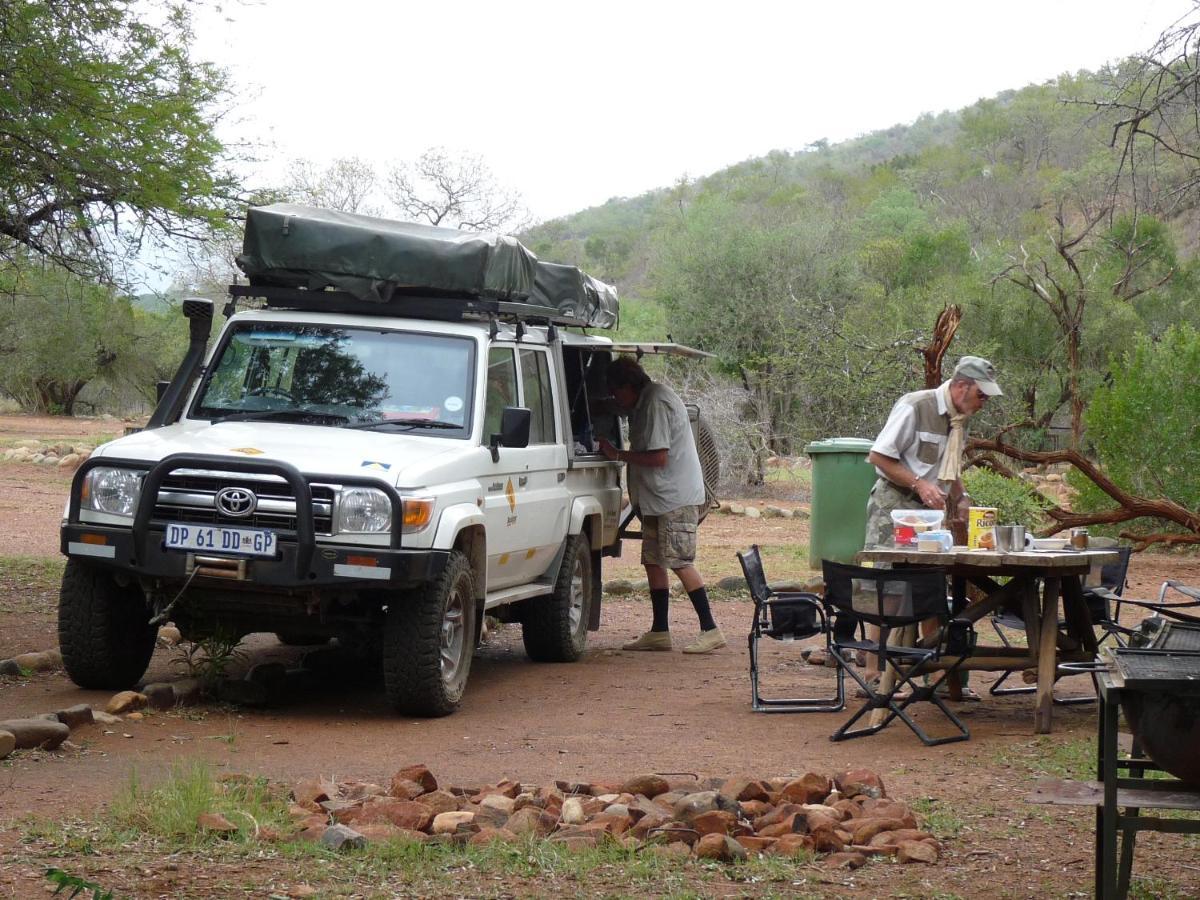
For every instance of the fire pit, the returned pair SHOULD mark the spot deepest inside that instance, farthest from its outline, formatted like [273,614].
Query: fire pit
[1161,703]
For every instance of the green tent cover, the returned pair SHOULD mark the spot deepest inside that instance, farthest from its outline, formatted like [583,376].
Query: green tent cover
[374,259]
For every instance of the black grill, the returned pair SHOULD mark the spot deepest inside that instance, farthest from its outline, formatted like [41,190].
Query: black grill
[191,498]
[1157,670]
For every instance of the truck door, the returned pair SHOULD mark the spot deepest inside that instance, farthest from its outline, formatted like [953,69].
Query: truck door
[526,499]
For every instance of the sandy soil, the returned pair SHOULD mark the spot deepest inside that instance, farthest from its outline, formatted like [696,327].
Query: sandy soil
[613,713]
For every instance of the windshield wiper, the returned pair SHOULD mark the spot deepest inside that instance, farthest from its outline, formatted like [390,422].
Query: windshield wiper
[403,423]
[266,414]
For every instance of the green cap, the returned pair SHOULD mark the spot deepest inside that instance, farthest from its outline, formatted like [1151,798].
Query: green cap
[982,372]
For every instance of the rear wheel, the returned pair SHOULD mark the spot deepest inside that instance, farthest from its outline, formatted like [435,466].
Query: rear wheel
[428,639]
[554,628]
[104,629]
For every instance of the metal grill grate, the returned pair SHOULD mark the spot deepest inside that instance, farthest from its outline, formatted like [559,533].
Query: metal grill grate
[1157,669]
[190,498]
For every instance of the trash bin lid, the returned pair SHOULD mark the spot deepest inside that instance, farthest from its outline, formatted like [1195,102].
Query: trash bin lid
[861,446]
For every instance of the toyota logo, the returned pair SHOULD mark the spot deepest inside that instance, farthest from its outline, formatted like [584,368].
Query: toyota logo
[236,502]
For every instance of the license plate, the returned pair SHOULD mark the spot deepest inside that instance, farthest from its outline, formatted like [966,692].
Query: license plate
[213,539]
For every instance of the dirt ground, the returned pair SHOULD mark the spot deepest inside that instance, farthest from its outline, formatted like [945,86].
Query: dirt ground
[614,713]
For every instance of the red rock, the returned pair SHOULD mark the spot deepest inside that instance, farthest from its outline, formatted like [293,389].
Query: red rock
[917,852]
[808,788]
[404,789]
[853,782]
[743,788]
[827,840]
[849,809]
[504,788]
[613,824]
[865,829]
[643,826]
[792,844]
[215,823]
[125,701]
[754,809]
[717,821]
[720,847]
[897,837]
[306,792]
[493,835]
[418,773]
[778,814]
[647,785]
[531,820]
[439,801]
[401,813]
[673,850]
[756,843]
[817,820]
[845,860]
[795,823]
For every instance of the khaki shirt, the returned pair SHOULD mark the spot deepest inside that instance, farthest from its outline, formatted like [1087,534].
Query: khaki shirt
[916,433]
[660,422]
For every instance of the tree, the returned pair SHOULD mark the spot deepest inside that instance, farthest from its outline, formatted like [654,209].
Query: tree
[347,184]
[58,333]
[106,131]
[456,192]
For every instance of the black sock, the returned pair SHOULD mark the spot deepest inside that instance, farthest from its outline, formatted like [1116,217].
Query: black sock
[660,601]
[700,603]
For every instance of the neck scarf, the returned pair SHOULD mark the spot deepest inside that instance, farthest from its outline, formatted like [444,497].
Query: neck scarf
[951,465]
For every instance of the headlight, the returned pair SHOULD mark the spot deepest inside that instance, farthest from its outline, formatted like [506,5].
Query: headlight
[362,510]
[113,491]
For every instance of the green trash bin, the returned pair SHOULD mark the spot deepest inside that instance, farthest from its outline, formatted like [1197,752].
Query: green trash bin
[841,483]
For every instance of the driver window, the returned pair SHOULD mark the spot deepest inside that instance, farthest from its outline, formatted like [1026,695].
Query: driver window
[501,389]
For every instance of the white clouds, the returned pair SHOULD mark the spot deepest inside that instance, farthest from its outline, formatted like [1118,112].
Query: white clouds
[574,103]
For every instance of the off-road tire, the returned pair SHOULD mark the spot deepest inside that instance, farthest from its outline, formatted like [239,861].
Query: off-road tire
[104,629]
[428,640]
[554,628]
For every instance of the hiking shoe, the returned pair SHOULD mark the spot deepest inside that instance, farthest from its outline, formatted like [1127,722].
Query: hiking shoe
[651,640]
[707,642]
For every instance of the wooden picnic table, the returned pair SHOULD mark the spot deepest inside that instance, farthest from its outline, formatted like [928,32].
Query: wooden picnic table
[1036,581]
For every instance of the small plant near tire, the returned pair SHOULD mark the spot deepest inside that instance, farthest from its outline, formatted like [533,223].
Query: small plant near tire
[209,658]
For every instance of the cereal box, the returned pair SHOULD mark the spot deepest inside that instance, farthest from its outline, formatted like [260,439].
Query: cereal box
[980,520]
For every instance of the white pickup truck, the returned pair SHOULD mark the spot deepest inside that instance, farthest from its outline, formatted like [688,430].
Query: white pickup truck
[335,467]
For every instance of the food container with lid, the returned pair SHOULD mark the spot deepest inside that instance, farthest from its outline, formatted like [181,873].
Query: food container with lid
[907,524]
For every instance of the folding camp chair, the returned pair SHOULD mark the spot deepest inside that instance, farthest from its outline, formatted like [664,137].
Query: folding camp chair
[893,599]
[1104,606]
[784,616]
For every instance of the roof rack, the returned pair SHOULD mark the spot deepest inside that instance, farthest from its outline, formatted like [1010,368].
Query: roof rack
[447,308]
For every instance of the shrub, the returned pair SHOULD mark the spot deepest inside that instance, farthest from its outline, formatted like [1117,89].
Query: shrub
[1015,501]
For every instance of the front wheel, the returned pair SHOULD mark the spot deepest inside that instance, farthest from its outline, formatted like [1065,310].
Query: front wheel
[428,639]
[554,628]
[104,629]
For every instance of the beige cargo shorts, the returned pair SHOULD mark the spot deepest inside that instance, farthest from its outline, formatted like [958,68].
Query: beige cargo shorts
[669,540]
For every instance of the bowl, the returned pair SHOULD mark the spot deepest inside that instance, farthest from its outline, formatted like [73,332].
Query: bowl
[908,523]
[1048,543]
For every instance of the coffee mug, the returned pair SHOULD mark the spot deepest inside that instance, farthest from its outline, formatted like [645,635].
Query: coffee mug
[1009,538]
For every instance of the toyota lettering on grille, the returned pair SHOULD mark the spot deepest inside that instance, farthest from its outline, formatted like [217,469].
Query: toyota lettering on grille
[235,502]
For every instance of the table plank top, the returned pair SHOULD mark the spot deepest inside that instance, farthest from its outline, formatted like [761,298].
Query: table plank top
[992,559]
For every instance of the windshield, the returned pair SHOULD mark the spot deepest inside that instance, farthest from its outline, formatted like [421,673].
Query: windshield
[341,377]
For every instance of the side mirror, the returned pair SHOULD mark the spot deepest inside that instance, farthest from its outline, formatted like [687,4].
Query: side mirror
[514,430]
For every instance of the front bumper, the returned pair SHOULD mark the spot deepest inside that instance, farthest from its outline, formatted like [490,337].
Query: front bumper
[300,561]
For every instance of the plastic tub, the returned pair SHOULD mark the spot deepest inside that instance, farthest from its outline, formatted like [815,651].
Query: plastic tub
[908,523]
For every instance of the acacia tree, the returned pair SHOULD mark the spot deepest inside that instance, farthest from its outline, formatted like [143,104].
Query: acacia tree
[456,191]
[346,184]
[106,131]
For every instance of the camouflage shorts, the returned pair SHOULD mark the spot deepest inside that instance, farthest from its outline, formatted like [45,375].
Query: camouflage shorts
[669,540]
[885,497]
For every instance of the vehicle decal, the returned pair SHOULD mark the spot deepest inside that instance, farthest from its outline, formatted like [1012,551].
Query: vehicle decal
[452,404]
[503,561]
[249,451]
[511,494]
[529,554]
[374,464]
[381,573]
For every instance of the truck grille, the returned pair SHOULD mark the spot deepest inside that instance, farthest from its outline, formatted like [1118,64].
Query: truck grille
[191,497]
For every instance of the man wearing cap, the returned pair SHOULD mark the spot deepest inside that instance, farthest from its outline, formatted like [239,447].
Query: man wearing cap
[918,454]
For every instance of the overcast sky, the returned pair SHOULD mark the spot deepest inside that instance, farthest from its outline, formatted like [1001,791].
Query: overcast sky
[571,104]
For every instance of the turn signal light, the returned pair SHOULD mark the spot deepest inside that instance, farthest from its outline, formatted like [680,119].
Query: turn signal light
[418,513]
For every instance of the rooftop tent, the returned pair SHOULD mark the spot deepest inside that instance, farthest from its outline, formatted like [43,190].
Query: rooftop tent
[575,294]
[379,260]
[300,246]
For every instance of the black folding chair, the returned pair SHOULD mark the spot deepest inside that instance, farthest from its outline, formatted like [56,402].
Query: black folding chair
[784,616]
[1104,606]
[891,599]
